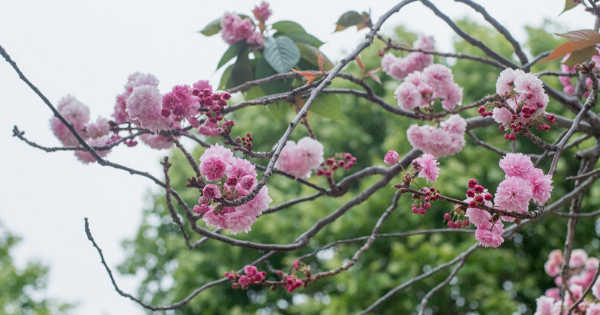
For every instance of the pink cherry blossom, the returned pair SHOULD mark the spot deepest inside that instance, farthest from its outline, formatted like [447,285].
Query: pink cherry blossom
[425,43]
[218,151]
[438,76]
[454,124]
[517,164]
[300,159]
[145,104]
[262,11]
[541,185]
[427,167]
[578,258]
[502,116]
[98,129]
[513,194]
[489,234]
[546,306]
[211,191]
[506,80]
[408,96]
[86,157]
[156,141]
[213,168]
[593,309]
[180,103]
[391,158]
[477,216]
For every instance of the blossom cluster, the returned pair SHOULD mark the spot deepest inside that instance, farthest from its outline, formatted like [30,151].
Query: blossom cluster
[236,178]
[346,161]
[522,183]
[566,80]
[235,28]
[526,101]
[300,159]
[424,203]
[251,276]
[581,271]
[489,229]
[445,140]
[421,89]
[94,133]
[398,67]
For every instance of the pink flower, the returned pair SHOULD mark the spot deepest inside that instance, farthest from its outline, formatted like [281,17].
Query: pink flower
[156,141]
[593,309]
[98,129]
[213,168]
[391,158]
[417,136]
[180,103]
[513,194]
[489,234]
[387,61]
[247,182]
[238,221]
[201,85]
[541,185]
[120,114]
[596,290]
[138,79]
[425,43]
[300,159]
[262,11]
[260,202]
[502,116]
[528,83]
[477,216]
[517,164]
[211,191]
[452,95]
[438,76]
[578,258]
[219,151]
[86,157]
[551,269]
[234,28]
[454,124]
[546,306]
[506,80]
[244,281]
[240,168]
[256,40]
[250,271]
[76,113]
[144,104]
[408,96]
[428,167]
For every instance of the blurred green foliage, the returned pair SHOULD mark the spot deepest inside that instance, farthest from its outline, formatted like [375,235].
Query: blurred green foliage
[506,280]
[18,288]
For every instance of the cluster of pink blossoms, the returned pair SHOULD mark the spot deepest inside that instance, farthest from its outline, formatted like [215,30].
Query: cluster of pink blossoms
[346,162]
[522,183]
[251,276]
[581,274]
[236,178]
[489,230]
[235,28]
[526,99]
[566,81]
[78,114]
[427,166]
[421,89]
[398,67]
[445,140]
[300,159]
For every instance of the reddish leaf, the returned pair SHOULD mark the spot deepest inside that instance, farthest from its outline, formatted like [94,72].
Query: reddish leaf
[582,39]
[559,52]
[361,25]
[361,65]
[320,61]
[580,56]
[308,75]
[373,76]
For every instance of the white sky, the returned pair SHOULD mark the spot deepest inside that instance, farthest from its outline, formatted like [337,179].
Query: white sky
[88,49]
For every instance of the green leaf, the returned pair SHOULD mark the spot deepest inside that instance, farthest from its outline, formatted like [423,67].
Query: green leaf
[212,28]
[348,19]
[232,52]
[241,71]
[279,110]
[225,78]
[281,53]
[328,106]
[288,27]
[580,56]
[263,70]
[301,38]
[569,4]
[309,53]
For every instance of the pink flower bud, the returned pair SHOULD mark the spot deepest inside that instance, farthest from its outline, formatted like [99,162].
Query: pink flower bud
[211,191]
[247,182]
[391,158]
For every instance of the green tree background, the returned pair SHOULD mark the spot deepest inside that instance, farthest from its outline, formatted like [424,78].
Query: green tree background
[18,287]
[494,281]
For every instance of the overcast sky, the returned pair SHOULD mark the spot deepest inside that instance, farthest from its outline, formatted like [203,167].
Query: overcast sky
[88,49]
